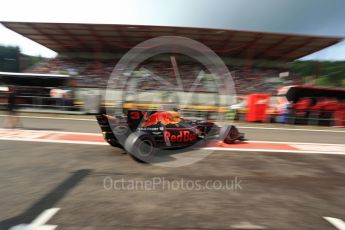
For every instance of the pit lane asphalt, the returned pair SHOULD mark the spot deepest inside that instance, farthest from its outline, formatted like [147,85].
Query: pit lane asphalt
[278,191]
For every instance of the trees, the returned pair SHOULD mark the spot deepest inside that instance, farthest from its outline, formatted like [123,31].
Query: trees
[12,60]
[325,73]
[9,58]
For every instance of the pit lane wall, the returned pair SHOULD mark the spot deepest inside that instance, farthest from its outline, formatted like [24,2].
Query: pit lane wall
[90,99]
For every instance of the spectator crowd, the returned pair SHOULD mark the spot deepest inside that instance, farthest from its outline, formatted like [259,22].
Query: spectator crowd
[149,75]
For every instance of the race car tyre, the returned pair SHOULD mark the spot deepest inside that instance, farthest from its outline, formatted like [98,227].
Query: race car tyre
[141,146]
[229,134]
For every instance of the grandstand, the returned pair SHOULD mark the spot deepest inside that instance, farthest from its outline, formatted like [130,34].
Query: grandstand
[90,51]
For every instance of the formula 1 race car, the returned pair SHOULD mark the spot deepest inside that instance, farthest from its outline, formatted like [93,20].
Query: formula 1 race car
[142,133]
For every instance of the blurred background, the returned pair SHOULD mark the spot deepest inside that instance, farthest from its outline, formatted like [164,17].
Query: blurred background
[261,63]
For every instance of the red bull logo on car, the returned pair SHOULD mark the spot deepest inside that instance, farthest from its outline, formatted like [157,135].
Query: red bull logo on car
[181,136]
[164,118]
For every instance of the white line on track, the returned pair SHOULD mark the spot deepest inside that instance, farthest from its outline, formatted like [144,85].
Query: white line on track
[338,223]
[273,151]
[292,129]
[40,222]
[56,118]
[51,131]
[45,216]
[247,226]
[55,141]
[294,143]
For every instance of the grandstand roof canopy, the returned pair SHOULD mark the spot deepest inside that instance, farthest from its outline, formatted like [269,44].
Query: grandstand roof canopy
[69,37]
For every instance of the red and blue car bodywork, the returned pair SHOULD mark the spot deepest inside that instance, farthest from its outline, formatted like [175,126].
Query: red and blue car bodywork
[142,133]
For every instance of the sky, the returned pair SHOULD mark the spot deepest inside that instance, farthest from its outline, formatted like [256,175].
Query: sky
[312,17]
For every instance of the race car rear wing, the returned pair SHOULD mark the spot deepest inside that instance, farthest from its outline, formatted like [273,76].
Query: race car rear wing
[135,117]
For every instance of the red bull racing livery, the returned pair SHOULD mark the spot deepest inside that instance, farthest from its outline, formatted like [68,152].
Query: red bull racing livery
[143,133]
[165,118]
